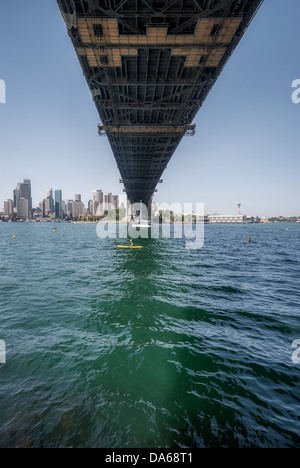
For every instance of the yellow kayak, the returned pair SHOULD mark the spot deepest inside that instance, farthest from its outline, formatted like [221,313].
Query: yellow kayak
[130,247]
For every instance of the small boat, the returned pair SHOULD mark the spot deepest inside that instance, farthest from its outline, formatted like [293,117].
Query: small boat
[54,230]
[130,246]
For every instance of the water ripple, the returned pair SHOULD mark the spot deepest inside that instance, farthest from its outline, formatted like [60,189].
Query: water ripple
[160,348]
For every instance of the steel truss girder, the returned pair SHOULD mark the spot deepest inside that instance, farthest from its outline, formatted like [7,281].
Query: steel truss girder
[210,7]
[146,130]
[152,105]
[117,93]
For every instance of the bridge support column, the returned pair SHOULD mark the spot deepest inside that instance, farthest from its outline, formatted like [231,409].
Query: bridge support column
[150,210]
[130,215]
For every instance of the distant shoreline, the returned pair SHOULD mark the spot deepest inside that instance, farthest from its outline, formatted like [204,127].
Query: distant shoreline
[155,224]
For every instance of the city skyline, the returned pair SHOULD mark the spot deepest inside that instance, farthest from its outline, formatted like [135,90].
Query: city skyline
[245,149]
[96,205]
[21,205]
[50,192]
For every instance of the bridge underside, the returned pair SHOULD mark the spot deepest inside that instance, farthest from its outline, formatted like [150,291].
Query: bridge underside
[150,64]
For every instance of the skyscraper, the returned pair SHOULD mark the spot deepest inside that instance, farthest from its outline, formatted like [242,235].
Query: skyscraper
[23,191]
[49,193]
[42,208]
[58,204]
[115,201]
[107,201]
[16,195]
[90,207]
[49,204]
[69,208]
[22,208]
[97,202]
[27,189]
[9,208]
[78,207]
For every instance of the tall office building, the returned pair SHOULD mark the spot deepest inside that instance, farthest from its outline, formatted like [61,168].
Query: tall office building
[90,207]
[78,207]
[49,193]
[58,204]
[69,208]
[97,202]
[22,208]
[49,206]
[115,201]
[23,191]
[42,208]
[9,208]
[27,189]
[49,203]
[16,195]
[107,201]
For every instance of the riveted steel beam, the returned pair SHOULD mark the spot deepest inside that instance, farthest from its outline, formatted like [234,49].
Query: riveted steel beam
[150,66]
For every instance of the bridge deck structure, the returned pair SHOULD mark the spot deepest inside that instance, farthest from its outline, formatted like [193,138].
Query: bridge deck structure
[150,65]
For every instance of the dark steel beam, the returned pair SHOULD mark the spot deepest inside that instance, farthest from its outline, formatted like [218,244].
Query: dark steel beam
[148,102]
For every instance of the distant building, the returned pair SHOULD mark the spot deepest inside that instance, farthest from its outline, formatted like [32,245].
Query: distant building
[27,187]
[58,204]
[78,207]
[90,208]
[49,193]
[42,208]
[8,209]
[49,206]
[115,201]
[69,208]
[97,202]
[107,201]
[23,191]
[22,208]
[214,219]
[37,212]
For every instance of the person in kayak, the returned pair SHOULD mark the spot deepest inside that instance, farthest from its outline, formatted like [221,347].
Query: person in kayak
[131,243]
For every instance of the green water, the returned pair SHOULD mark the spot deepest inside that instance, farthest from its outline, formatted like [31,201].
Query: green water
[163,347]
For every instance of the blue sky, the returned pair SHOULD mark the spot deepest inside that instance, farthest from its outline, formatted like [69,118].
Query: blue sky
[246,149]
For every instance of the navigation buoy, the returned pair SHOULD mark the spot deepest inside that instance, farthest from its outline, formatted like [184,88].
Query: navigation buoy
[14,236]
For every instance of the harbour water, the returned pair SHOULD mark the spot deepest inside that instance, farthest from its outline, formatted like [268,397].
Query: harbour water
[163,347]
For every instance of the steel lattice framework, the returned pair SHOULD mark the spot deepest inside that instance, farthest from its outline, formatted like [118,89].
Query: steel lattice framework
[150,65]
